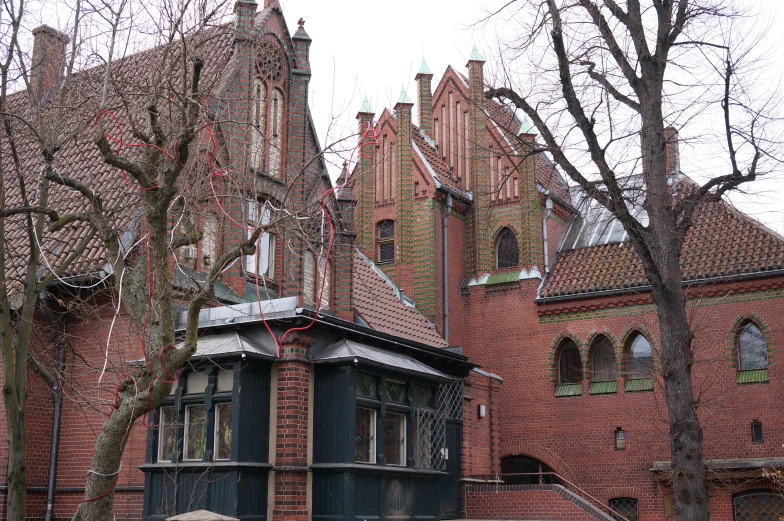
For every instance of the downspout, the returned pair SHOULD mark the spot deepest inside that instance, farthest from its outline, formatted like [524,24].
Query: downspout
[549,210]
[444,235]
[57,396]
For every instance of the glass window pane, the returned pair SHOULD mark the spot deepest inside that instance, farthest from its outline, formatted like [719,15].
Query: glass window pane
[752,349]
[424,397]
[167,437]
[196,383]
[364,439]
[195,432]
[394,439]
[570,365]
[604,368]
[507,253]
[223,431]
[225,380]
[640,358]
[626,507]
[395,392]
[366,385]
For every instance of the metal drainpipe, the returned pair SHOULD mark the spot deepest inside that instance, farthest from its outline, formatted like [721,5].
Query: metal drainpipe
[446,266]
[57,395]
[549,209]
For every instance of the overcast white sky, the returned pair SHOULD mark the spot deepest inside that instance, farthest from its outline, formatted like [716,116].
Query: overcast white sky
[366,48]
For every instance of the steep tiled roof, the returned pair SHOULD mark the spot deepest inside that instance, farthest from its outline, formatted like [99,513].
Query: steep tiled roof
[377,302]
[80,159]
[722,242]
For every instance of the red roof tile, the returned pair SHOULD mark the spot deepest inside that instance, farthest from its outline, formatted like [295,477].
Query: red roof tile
[722,242]
[376,302]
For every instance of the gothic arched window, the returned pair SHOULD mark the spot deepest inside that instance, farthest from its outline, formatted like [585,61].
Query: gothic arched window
[752,348]
[603,358]
[268,110]
[640,358]
[507,253]
[570,367]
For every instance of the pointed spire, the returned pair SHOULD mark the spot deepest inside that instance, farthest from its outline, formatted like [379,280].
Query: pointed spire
[424,69]
[403,98]
[366,108]
[475,56]
[527,127]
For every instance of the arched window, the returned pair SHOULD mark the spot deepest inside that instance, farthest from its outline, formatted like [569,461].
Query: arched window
[520,470]
[761,505]
[268,110]
[263,262]
[752,348]
[626,507]
[603,360]
[640,360]
[507,253]
[570,369]
[258,118]
[385,242]
[276,127]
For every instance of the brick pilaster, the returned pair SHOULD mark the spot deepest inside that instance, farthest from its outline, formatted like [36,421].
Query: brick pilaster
[530,243]
[479,251]
[404,196]
[291,443]
[425,99]
[363,183]
[296,168]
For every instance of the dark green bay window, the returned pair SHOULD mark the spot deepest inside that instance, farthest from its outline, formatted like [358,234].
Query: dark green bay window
[209,445]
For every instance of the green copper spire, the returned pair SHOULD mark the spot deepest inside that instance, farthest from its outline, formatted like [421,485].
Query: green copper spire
[366,108]
[403,98]
[527,127]
[475,56]
[424,69]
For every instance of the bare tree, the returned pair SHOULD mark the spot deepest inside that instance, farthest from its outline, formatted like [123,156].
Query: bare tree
[607,80]
[100,216]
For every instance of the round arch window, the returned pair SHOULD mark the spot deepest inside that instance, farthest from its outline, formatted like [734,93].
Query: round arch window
[507,252]
[521,470]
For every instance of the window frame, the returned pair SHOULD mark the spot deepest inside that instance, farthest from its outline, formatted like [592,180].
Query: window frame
[186,430]
[757,492]
[630,356]
[738,351]
[569,344]
[254,264]
[596,345]
[161,427]
[503,233]
[622,512]
[216,430]
[384,241]
[373,439]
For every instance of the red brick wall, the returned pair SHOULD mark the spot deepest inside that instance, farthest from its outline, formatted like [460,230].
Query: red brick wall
[481,435]
[484,502]
[508,334]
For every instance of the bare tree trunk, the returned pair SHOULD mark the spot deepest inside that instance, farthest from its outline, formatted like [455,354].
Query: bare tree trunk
[17,461]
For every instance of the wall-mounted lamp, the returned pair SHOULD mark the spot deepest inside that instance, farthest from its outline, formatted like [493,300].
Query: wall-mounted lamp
[482,412]
[620,439]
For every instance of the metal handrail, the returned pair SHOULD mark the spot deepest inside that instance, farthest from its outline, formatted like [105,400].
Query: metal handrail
[602,506]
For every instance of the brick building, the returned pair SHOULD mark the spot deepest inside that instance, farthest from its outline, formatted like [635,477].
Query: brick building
[485,345]
[540,286]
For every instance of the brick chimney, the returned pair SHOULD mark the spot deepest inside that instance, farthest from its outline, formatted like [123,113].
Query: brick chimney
[48,60]
[672,154]
[344,249]
[424,79]
[244,19]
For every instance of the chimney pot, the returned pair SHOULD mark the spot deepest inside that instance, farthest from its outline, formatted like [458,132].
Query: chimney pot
[672,151]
